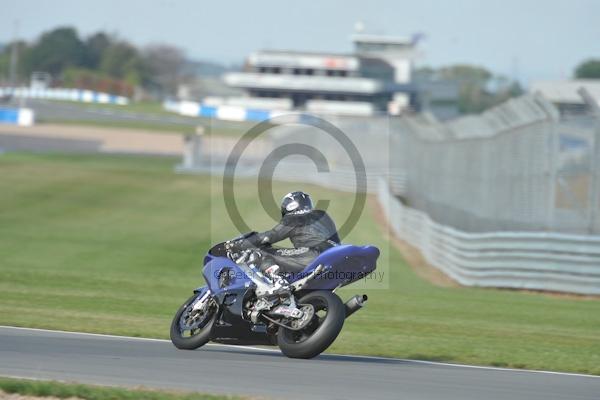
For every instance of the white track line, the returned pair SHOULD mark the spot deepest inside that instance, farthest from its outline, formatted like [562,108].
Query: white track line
[329,354]
[30,378]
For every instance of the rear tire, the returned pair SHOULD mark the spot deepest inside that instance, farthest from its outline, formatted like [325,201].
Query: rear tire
[320,333]
[198,337]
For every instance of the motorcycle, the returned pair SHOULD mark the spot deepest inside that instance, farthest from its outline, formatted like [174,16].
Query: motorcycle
[241,305]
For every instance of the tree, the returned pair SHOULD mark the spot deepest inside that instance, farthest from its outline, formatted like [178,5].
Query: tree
[467,74]
[55,51]
[5,56]
[99,61]
[121,60]
[479,89]
[589,69]
[163,65]
[95,46]
[473,81]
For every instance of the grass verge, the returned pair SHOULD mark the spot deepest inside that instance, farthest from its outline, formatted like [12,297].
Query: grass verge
[146,107]
[212,127]
[35,388]
[114,244]
[157,127]
[159,123]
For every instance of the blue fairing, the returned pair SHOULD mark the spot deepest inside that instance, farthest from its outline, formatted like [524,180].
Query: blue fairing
[215,267]
[343,264]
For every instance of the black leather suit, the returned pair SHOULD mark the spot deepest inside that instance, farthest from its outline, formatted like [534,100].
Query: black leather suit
[311,233]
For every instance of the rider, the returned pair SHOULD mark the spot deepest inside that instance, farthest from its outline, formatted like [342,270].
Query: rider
[310,231]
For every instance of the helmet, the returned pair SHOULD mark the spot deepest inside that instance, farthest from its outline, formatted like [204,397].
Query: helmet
[296,203]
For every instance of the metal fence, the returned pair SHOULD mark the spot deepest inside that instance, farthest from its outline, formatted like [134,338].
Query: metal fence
[507,198]
[516,167]
[519,260]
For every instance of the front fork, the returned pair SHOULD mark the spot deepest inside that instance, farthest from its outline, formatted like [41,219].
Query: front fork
[201,302]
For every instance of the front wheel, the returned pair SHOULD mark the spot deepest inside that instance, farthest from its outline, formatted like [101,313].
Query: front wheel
[191,328]
[320,332]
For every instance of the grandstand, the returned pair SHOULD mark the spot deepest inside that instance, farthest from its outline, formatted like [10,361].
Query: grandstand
[376,78]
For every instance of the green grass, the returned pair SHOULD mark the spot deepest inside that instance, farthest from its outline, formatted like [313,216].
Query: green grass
[156,127]
[212,126]
[146,107]
[114,245]
[62,390]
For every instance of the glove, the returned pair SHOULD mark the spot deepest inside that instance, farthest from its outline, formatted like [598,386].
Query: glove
[233,246]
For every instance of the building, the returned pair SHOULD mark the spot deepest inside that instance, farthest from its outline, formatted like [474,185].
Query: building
[566,94]
[377,78]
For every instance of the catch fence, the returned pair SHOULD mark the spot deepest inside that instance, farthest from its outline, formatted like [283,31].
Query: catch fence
[507,198]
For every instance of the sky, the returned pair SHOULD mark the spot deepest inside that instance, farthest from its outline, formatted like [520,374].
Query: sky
[523,39]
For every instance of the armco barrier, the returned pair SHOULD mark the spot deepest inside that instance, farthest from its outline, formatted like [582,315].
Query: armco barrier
[518,260]
[223,112]
[16,116]
[66,94]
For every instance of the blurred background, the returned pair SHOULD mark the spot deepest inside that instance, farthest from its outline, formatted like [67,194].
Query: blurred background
[478,124]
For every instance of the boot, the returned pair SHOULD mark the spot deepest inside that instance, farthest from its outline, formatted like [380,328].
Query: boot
[280,285]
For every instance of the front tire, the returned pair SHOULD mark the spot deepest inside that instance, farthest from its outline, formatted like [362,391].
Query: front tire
[190,336]
[320,333]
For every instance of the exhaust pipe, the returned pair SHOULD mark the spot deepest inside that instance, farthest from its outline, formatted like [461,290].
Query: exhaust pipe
[355,304]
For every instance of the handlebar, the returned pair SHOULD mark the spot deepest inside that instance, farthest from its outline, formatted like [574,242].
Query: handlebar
[233,248]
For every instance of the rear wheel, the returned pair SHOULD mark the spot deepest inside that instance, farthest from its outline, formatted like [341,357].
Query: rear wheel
[320,332]
[191,328]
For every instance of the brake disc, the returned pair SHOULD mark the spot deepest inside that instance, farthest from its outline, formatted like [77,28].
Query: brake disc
[309,311]
[192,319]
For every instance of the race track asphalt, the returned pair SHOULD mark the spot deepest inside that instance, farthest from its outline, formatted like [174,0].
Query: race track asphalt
[111,360]
[48,109]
